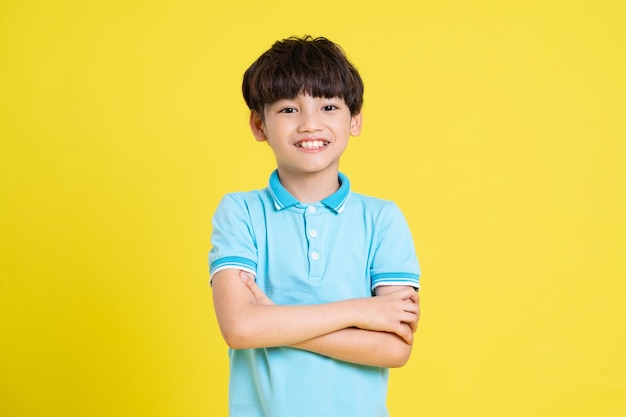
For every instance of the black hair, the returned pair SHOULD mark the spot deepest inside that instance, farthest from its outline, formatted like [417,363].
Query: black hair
[313,66]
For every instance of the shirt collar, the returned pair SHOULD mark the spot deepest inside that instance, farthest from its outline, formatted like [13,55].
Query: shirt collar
[283,199]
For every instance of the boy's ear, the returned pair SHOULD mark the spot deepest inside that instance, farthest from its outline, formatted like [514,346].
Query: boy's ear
[355,124]
[256,126]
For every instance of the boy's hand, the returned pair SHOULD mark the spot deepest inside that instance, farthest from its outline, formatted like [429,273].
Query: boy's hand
[393,309]
[259,296]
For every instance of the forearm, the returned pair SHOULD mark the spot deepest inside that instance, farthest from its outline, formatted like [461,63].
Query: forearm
[247,324]
[279,325]
[364,347]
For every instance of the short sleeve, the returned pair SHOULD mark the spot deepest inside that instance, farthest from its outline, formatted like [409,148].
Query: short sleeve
[232,240]
[394,261]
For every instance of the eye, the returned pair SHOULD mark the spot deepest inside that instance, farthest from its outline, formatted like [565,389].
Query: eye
[287,110]
[329,107]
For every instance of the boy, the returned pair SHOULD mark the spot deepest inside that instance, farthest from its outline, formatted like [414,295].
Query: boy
[308,339]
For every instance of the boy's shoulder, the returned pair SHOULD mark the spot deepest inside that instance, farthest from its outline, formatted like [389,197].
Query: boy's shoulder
[247,197]
[372,202]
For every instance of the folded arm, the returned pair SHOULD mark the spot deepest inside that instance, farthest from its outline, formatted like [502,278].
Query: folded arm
[366,347]
[247,323]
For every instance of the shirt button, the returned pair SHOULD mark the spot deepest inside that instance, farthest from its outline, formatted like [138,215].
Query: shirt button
[313,233]
[311,209]
[315,256]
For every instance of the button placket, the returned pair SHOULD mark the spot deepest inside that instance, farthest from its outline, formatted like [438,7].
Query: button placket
[315,250]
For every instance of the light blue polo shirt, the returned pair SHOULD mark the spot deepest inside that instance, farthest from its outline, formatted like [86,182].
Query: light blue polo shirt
[342,247]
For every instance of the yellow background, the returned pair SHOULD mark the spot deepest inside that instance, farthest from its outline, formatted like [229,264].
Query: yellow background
[497,126]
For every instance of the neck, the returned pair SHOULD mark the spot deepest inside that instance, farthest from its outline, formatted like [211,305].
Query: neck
[310,188]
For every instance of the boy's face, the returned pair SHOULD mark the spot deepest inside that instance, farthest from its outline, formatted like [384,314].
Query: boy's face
[307,134]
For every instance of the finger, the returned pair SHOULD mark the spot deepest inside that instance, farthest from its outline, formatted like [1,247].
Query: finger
[259,296]
[404,292]
[408,294]
[411,325]
[410,318]
[414,297]
[411,307]
[405,333]
[246,277]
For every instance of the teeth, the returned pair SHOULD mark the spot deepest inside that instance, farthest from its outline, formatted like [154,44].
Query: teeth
[314,144]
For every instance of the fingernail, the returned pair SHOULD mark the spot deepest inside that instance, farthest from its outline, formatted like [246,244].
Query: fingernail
[244,277]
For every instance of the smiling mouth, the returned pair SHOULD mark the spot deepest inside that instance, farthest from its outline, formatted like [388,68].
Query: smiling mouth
[312,144]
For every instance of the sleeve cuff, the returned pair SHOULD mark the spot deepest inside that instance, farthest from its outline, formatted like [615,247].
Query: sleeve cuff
[232,262]
[398,278]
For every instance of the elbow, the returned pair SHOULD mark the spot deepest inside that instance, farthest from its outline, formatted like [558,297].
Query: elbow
[233,341]
[396,362]
[238,336]
[241,329]
[398,355]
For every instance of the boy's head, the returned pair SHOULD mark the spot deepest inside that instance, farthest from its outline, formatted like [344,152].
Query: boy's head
[313,66]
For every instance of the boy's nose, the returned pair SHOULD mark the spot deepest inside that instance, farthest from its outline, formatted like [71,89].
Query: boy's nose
[309,122]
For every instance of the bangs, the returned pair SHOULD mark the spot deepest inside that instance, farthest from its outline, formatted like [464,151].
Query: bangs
[306,74]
